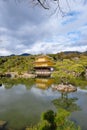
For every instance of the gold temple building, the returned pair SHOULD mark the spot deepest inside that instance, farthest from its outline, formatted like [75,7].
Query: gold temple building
[43,65]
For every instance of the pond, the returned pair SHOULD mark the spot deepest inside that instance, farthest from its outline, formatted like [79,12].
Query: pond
[21,105]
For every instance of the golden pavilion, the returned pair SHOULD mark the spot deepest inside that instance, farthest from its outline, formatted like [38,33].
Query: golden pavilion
[43,65]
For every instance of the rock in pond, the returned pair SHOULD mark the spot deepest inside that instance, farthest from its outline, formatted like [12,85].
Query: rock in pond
[65,88]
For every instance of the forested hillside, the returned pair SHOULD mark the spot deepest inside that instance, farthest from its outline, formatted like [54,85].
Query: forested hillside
[67,64]
[16,64]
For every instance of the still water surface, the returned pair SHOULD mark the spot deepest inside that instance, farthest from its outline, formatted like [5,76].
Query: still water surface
[22,107]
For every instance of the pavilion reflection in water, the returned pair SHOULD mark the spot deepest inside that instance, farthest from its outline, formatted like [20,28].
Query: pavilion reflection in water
[44,83]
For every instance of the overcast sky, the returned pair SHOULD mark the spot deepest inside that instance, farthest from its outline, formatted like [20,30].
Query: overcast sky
[28,29]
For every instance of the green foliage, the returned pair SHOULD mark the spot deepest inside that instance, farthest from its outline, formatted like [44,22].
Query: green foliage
[16,64]
[69,125]
[79,82]
[67,66]
[44,125]
[32,128]
[68,69]
[61,116]
[49,116]
[59,121]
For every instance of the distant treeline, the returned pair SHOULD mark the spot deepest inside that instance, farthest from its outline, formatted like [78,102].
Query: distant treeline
[68,55]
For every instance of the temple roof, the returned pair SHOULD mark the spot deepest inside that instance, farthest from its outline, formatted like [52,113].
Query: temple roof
[43,61]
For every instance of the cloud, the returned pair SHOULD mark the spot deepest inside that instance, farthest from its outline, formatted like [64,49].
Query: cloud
[33,30]
[4,52]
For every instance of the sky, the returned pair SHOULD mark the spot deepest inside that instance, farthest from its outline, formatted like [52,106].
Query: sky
[25,28]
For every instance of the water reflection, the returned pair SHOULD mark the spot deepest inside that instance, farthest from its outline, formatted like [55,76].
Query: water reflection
[66,103]
[9,83]
[21,105]
[44,83]
[23,101]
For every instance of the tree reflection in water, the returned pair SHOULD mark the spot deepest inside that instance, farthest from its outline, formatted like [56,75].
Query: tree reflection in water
[66,103]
